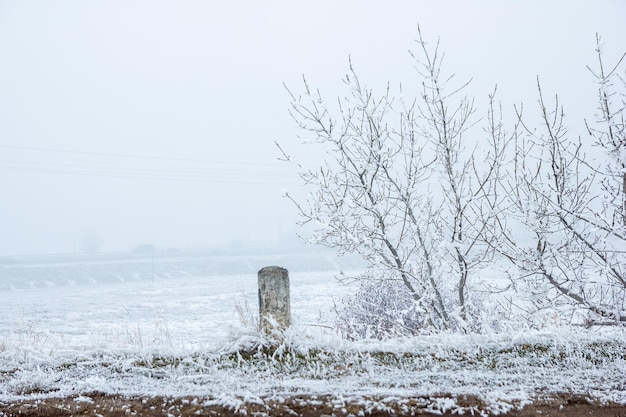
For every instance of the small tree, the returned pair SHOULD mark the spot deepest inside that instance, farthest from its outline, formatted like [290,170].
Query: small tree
[400,186]
[577,258]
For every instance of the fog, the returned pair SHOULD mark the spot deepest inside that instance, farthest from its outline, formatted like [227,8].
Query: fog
[125,123]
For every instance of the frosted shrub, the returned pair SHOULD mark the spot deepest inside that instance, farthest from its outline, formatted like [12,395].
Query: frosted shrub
[379,309]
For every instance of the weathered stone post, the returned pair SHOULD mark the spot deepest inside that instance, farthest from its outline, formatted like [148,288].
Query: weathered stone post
[274,302]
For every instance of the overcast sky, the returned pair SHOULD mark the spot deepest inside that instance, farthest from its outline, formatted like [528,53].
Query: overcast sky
[153,122]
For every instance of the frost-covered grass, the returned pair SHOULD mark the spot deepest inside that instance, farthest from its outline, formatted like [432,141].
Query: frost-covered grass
[193,337]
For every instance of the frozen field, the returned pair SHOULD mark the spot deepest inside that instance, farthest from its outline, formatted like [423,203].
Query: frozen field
[194,336]
[188,313]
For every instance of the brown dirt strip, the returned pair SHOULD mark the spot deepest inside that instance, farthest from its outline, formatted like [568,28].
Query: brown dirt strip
[96,404]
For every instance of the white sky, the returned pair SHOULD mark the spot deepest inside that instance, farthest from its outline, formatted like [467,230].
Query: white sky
[103,104]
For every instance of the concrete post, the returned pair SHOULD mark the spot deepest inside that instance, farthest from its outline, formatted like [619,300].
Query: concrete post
[274,301]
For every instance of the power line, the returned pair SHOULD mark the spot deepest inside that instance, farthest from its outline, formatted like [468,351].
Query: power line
[169,169]
[30,163]
[155,176]
[134,156]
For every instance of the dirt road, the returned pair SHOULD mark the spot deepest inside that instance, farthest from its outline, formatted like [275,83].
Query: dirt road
[96,404]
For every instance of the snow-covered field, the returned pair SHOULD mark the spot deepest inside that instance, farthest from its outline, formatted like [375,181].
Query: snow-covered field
[186,313]
[187,336]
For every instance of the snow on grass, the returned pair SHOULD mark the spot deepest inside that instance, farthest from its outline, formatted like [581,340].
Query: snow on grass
[193,337]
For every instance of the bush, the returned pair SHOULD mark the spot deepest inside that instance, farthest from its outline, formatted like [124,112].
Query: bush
[379,309]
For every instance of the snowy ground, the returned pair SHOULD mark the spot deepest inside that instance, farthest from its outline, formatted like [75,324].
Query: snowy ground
[185,336]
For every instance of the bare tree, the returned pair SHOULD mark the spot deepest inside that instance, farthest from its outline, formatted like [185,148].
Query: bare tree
[401,187]
[577,259]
